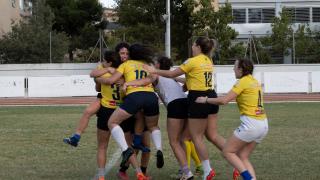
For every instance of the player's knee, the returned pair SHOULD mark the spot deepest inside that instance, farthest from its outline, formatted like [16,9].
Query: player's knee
[243,156]
[225,153]
[213,137]
[89,112]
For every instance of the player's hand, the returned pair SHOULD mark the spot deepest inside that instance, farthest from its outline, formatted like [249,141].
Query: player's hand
[124,87]
[111,70]
[201,100]
[120,81]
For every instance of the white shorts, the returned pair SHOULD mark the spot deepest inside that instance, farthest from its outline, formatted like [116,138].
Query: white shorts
[251,129]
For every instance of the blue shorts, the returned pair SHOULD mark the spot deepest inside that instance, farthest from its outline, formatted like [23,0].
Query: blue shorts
[199,110]
[104,114]
[146,101]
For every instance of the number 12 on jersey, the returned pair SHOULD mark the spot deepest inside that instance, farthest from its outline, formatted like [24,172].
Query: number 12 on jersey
[208,78]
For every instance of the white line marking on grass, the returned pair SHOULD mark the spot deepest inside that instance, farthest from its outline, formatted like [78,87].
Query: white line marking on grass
[114,159]
[111,163]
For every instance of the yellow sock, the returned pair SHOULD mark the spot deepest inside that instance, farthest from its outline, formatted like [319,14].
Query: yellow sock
[194,155]
[188,151]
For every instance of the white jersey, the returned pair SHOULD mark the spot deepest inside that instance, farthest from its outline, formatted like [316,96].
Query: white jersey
[169,90]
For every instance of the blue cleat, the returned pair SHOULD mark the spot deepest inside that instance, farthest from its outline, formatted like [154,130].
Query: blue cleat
[73,140]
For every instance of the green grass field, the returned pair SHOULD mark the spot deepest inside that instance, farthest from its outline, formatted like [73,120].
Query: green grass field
[31,144]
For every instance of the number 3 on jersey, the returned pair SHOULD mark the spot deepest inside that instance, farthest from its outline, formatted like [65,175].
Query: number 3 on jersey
[116,91]
[208,78]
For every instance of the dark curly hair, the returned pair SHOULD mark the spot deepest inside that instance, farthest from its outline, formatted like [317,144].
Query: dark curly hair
[111,56]
[164,62]
[141,52]
[121,45]
[246,65]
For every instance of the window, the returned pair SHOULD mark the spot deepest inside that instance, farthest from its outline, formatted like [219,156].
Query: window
[267,15]
[239,16]
[302,15]
[316,14]
[258,15]
[299,15]
[255,15]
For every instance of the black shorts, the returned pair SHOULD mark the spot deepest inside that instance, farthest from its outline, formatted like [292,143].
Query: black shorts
[99,96]
[178,109]
[146,101]
[104,114]
[199,110]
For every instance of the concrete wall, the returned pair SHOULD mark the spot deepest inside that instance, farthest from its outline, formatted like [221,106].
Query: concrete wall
[58,80]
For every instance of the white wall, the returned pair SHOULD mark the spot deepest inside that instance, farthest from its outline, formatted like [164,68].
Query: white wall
[81,85]
[280,82]
[315,81]
[12,86]
[58,80]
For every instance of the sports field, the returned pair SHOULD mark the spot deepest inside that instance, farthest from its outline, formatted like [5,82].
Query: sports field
[31,144]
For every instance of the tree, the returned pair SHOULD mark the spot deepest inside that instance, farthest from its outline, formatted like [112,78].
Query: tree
[215,25]
[141,22]
[28,42]
[76,18]
[281,40]
[281,37]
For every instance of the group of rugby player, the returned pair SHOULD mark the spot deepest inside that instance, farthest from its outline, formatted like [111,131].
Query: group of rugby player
[128,109]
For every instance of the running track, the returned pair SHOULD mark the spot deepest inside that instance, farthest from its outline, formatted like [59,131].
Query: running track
[87,100]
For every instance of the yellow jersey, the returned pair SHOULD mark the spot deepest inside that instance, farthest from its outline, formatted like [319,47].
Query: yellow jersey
[112,95]
[198,72]
[100,66]
[132,70]
[249,99]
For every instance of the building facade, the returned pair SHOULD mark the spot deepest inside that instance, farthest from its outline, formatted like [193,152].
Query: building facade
[255,16]
[12,11]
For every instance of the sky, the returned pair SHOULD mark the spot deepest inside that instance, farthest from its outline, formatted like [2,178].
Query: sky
[107,3]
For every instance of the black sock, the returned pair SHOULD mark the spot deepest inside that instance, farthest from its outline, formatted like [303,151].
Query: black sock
[124,168]
[143,169]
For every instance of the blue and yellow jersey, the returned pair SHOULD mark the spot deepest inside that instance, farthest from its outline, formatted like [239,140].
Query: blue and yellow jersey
[249,99]
[112,95]
[198,72]
[132,70]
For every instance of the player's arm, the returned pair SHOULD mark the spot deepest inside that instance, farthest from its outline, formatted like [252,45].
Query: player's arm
[99,72]
[152,78]
[110,80]
[220,100]
[165,73]
[180,79]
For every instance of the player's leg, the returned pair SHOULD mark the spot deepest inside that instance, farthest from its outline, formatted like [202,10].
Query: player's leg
[151,112]
[196,160]
[175,129]
[244,155]
[145,156]
[230,150]
[139,128]
[212,132]
[83,123]
[103,139]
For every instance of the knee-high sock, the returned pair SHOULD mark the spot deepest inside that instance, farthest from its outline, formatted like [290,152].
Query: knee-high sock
[194,155]
[118,135]
[156,138]
[188,151]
